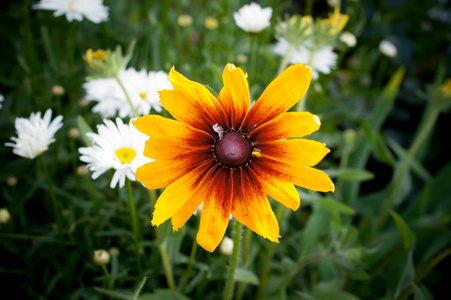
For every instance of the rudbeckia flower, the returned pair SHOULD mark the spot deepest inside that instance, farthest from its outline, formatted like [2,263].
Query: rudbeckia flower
[228,156]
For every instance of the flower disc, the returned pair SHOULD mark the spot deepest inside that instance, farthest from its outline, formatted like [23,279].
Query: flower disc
[234,149]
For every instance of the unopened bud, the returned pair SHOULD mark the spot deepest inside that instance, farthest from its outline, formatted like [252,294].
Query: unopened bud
[4,216]
[226,246]
[114,251]
[82,170]
[58,90]
[83,102]
[185,20]
[101,257]
[11,181]
[241,58]
[211,23]
[348,38]
[388,49]
[73,133]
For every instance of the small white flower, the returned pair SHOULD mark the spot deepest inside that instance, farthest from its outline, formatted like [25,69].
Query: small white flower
[388,49]
[35,134]
[322,59]
[226,246]
[253,18]
[142,88]
[93,10]
[348,38]
[116,146]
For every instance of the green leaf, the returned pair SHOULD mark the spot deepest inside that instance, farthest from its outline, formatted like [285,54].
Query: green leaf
[335,206]
[407,235]
[355,175]
[408,275]
[112,294]
[163,294]
[139,288]
[246,276]
[84,128]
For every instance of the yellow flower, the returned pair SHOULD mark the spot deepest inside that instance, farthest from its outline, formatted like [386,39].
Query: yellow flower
[336,21]
[228,156]
[94,55]
[211,23]
[445,88]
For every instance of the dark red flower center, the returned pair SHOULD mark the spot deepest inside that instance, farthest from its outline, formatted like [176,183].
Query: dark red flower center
[233,150]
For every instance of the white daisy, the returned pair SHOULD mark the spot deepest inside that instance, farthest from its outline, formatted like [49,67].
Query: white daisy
[93,10]
[116,146]
[35,134]
[253,18]
[322,59]
[2,98]
[387,48]
[142,88]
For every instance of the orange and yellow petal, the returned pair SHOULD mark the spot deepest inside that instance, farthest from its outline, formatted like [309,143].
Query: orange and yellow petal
[295,151]
[163,172]
[192,103]
[234,96]
[187,210]
[280,95]
[303,176]
[216,210]
[287,125]
[251,206]
[180,191]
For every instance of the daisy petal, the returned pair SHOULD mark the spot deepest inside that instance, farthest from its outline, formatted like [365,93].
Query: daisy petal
[287,125]
[280,95]
[295,151]
[251,206]
[192,103]
[216,210]
[234,97]
[302,176]
[176,194]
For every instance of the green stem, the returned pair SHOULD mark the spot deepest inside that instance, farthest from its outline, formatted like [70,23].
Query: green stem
[131,203]
[108,277]
[253,53]
[126,95]
[153,198]
[301,104]
[423,272]
[424,133]
[308,7]
[247,244]
[284,62]
[167,266]
[228,292]
[190,265]
[269,254]
[56,210]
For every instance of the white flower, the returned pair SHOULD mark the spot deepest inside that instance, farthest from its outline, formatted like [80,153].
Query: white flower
[93,10]
[2,98]
[116,146]
[35,134]
[348,38]
[252,18]
[322,59]
[142,88]
[387,48]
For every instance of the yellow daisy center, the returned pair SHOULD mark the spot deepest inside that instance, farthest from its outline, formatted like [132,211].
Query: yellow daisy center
[126,155]
[143,96]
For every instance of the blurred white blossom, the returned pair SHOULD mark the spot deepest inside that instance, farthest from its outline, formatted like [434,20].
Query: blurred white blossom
[93,10]
[226,246]
[253,18]
[2,98]
[348,38]
[388,49]
[35,134]
[116,146]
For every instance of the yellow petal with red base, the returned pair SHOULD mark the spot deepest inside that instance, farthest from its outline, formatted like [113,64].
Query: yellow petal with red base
[216,210]
[234,96]
[287,125]
[280,95]
[187,210]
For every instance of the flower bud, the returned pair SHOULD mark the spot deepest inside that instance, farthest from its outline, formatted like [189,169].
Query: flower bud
[388,49]
[73,133]
[114,251]
[226,246]
[101,257]
[4,216]
[241,58]
[211,23]
[185,20]
[348,38]
[58,90]
[82,170]
[83,102]
[11,181]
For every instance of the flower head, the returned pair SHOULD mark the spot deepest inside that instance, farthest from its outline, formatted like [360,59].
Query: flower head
[348,38]
[388,49]
[228,156]
[116,146]
[35,134]
[93,10]
[337,21]
[321,60]
[211,23]
[253,18]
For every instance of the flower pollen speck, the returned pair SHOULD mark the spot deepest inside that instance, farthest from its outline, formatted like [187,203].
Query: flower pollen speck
[228,156]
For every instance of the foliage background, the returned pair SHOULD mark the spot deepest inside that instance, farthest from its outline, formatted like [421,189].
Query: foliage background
[329,250]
